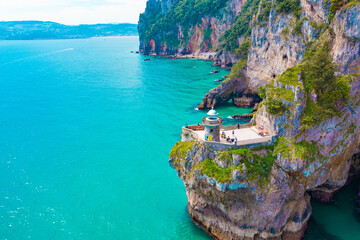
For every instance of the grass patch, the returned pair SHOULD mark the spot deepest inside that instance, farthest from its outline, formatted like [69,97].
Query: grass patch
[290,76]
[258,167]
[305,151]
[211,169]
[181,148]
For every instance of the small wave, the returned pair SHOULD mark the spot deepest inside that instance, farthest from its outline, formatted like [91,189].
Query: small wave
[35,56]
[196,109]
[64,50]
[229,117]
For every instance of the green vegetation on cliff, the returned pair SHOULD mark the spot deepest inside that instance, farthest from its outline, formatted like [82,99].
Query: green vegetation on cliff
[290,149]
[211,169]
[256,163]
[186,13]
[251,13]
[319,78]
[288,6]
[264,13]
[243,52]
[242,26]
[275,106]
[181,148]
[335,5]
[280,93]
[323,88]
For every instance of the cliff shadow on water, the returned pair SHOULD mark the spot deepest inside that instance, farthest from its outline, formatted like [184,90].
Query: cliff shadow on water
[339,220]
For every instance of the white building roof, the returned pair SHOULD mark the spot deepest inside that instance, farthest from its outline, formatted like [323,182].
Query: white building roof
[212,112]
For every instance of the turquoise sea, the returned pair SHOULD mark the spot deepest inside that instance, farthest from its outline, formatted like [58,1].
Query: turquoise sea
[86,127]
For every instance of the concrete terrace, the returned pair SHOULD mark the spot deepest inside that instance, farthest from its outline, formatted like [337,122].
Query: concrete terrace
[246,135]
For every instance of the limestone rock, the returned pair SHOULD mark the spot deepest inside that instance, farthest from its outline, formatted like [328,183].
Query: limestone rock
[243,206]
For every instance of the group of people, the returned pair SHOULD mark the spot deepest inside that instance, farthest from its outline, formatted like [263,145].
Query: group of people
[262,132]
[229,139]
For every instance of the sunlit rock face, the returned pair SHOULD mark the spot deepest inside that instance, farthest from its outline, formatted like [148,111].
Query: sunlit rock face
[199,42]
[261,192]
[274,48]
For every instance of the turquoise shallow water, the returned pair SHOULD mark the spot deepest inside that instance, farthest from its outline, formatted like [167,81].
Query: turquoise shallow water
[86,129]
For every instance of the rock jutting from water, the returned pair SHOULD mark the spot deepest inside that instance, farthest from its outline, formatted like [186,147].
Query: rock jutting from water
[302,62]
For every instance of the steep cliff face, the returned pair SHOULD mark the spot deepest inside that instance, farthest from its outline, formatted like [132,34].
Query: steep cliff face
[311,104]
[166,28]
[277,43]
[248,197]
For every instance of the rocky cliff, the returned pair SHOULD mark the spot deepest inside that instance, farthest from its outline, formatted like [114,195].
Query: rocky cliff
[304,63]
[169,27]
[262,37]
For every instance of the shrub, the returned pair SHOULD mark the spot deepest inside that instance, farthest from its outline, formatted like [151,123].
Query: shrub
[288,6]
[319,75]
[262,92]
[335,5]
[298,26]
[264,14]
[275,106]
[243,50]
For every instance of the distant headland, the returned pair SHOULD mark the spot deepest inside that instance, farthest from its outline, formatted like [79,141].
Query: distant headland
[32,30]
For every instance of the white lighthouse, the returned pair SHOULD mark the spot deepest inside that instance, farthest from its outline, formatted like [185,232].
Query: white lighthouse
[212,125]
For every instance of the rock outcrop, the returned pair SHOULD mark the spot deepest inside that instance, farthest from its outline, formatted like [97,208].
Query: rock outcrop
[264,192]
[275,47]
[190,38]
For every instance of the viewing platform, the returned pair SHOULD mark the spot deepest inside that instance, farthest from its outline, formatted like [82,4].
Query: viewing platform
[220,137]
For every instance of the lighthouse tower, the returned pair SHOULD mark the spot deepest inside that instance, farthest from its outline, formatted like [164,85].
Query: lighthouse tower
[212,125]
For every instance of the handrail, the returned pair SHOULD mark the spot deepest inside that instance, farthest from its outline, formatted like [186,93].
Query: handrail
[196,127]
[236,126]
[224,128]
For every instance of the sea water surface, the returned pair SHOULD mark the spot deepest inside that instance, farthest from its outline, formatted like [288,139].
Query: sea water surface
[86,127]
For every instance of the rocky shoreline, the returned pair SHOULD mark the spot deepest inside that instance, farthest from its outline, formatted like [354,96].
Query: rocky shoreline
[264,192]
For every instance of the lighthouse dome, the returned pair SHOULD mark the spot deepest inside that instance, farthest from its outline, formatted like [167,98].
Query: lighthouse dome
[212,112]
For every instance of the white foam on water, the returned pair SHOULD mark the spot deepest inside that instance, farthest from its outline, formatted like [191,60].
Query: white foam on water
[39,55]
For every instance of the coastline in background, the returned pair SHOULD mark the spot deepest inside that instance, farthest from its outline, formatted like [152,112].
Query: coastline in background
[39,30]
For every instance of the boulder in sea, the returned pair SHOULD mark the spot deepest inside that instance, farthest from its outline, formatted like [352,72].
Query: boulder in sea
[244,116]
[146,60]
[220,80]
[215,71]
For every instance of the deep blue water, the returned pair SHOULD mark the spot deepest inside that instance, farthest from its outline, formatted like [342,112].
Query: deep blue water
[86,127]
